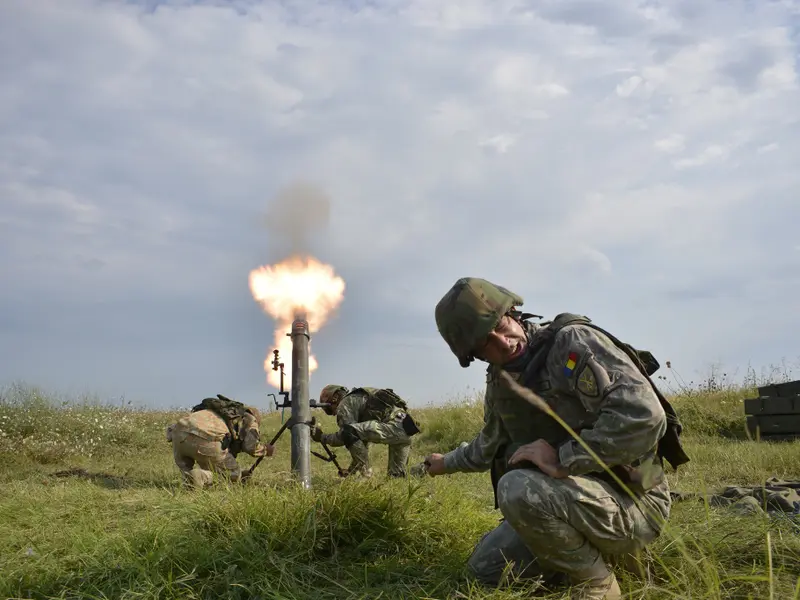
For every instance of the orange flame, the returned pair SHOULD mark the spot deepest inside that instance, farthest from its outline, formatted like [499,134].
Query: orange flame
[297,286]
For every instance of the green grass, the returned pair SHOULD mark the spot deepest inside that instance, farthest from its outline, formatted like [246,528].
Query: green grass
[124,528]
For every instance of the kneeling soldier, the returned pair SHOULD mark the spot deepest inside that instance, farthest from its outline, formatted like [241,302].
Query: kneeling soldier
[368,415]
[209,438]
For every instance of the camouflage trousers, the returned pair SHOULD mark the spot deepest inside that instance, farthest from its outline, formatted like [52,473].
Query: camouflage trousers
[557,529]
[199,458]
[376,432]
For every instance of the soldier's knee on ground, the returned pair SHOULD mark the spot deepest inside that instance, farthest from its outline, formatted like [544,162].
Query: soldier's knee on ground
[197,478]
[501,557]
[483,566]
[230,468]
[486,574]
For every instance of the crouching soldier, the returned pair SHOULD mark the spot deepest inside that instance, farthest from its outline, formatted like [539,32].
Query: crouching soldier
[207,440]
[368,415]
[566,516]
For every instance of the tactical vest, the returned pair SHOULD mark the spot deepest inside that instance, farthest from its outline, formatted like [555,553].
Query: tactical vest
[526,422]
[230,411]
[381,402]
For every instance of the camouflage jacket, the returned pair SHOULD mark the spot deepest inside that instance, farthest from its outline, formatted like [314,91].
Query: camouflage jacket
[209,426]
[597,390]
[357,407]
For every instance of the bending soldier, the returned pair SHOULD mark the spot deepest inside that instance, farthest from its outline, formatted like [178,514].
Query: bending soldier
[562,511]
[207,440]
[368,415]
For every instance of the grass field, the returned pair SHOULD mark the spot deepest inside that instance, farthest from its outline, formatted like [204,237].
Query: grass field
[124,527]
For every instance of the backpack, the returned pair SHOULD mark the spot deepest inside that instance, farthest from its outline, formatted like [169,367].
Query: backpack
[230,411]
[383,400]
[380,399]
[669,446]
[388,398]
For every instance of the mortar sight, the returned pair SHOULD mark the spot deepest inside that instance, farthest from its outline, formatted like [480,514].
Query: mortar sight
[287,403]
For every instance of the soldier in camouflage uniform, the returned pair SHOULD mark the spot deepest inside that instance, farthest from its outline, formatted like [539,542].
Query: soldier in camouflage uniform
[202,445]
[368,415]
[563,514]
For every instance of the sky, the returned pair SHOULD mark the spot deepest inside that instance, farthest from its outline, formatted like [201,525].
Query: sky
[635,162]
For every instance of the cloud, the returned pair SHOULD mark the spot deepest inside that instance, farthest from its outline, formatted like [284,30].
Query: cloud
[631,162]
[767,148]
[629,86]
[712,153]
[670,144]
[500,143]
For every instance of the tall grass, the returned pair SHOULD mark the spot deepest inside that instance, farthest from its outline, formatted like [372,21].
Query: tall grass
[91,507]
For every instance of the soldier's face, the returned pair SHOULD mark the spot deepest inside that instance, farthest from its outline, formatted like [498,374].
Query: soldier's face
[506,343]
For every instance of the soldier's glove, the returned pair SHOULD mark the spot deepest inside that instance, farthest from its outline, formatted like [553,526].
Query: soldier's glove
[316,433]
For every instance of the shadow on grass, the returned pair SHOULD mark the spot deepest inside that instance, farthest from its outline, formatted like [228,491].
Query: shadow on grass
[113,482]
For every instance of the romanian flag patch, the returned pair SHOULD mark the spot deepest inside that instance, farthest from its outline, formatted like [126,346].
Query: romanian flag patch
[569,366]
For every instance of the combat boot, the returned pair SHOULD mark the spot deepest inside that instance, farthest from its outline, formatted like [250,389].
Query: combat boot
[419,470]
[361,469]
[633,563]
[598,589]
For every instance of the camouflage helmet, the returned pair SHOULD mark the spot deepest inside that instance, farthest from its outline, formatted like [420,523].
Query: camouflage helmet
[255,412]
[469,311]
[332,394]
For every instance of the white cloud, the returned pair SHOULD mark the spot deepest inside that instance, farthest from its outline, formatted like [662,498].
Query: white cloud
[671,144]
[628,87]
[500,143]
[767,148]
[710,154]
[600,158]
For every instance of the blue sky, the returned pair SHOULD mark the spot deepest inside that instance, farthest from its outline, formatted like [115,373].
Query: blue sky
[634,162]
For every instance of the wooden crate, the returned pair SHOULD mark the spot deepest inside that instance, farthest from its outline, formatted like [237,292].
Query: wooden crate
[775,414]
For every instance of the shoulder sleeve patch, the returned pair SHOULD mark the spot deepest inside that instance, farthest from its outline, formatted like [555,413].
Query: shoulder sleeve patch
[587,382]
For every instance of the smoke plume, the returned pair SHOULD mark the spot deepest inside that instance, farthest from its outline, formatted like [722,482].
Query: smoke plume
[296,213]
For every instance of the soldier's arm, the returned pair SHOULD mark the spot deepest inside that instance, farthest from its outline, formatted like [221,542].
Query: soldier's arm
[346,414]
[480,452]
[250,436]
[630,419]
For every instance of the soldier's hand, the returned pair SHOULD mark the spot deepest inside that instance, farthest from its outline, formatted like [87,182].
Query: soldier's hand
[265,450]
[316,433]
[543,455]
[435,464]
